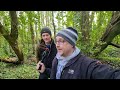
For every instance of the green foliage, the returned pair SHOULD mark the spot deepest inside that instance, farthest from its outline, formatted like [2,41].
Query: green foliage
[112,61]
[69,16]
[99,24]
[25,71]
[76,19]
[111,51]
[116,40]
[5,20]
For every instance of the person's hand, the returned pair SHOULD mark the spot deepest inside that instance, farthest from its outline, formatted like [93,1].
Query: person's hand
[40,64]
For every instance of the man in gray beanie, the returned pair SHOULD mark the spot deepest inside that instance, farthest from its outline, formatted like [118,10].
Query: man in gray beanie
[70,63]
[69,34]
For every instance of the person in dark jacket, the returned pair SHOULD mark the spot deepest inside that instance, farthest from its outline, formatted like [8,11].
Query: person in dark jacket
[46,51]
[70,63]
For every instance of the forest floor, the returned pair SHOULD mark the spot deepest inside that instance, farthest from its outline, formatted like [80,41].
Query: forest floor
[23,71]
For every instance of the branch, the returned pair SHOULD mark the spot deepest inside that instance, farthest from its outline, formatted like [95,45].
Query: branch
[14,24]
[113,22]
[115,45]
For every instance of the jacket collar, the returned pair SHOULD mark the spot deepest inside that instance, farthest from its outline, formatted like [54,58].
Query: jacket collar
[71,61]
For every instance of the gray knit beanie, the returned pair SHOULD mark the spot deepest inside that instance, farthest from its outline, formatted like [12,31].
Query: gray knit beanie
[69,34]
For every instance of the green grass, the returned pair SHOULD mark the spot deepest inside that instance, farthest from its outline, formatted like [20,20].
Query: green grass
[24,71]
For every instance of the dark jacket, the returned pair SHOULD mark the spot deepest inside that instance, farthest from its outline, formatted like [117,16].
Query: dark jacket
[46,55]
[82,67]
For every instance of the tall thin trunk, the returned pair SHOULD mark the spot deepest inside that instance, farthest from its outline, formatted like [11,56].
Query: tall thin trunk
[85,25]
[32,37]
[53,23]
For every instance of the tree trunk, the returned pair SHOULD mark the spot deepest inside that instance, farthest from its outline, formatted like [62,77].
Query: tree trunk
[85,26]
[30,19]
[32,37]
[112,30]
[53,23]
[12,38]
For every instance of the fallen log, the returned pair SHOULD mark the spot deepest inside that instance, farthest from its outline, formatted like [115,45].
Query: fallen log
[13,60]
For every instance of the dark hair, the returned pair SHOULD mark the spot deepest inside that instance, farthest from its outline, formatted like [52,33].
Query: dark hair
[46,30]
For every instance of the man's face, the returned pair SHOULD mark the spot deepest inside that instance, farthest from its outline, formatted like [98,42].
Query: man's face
[46,37]
[63,47]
